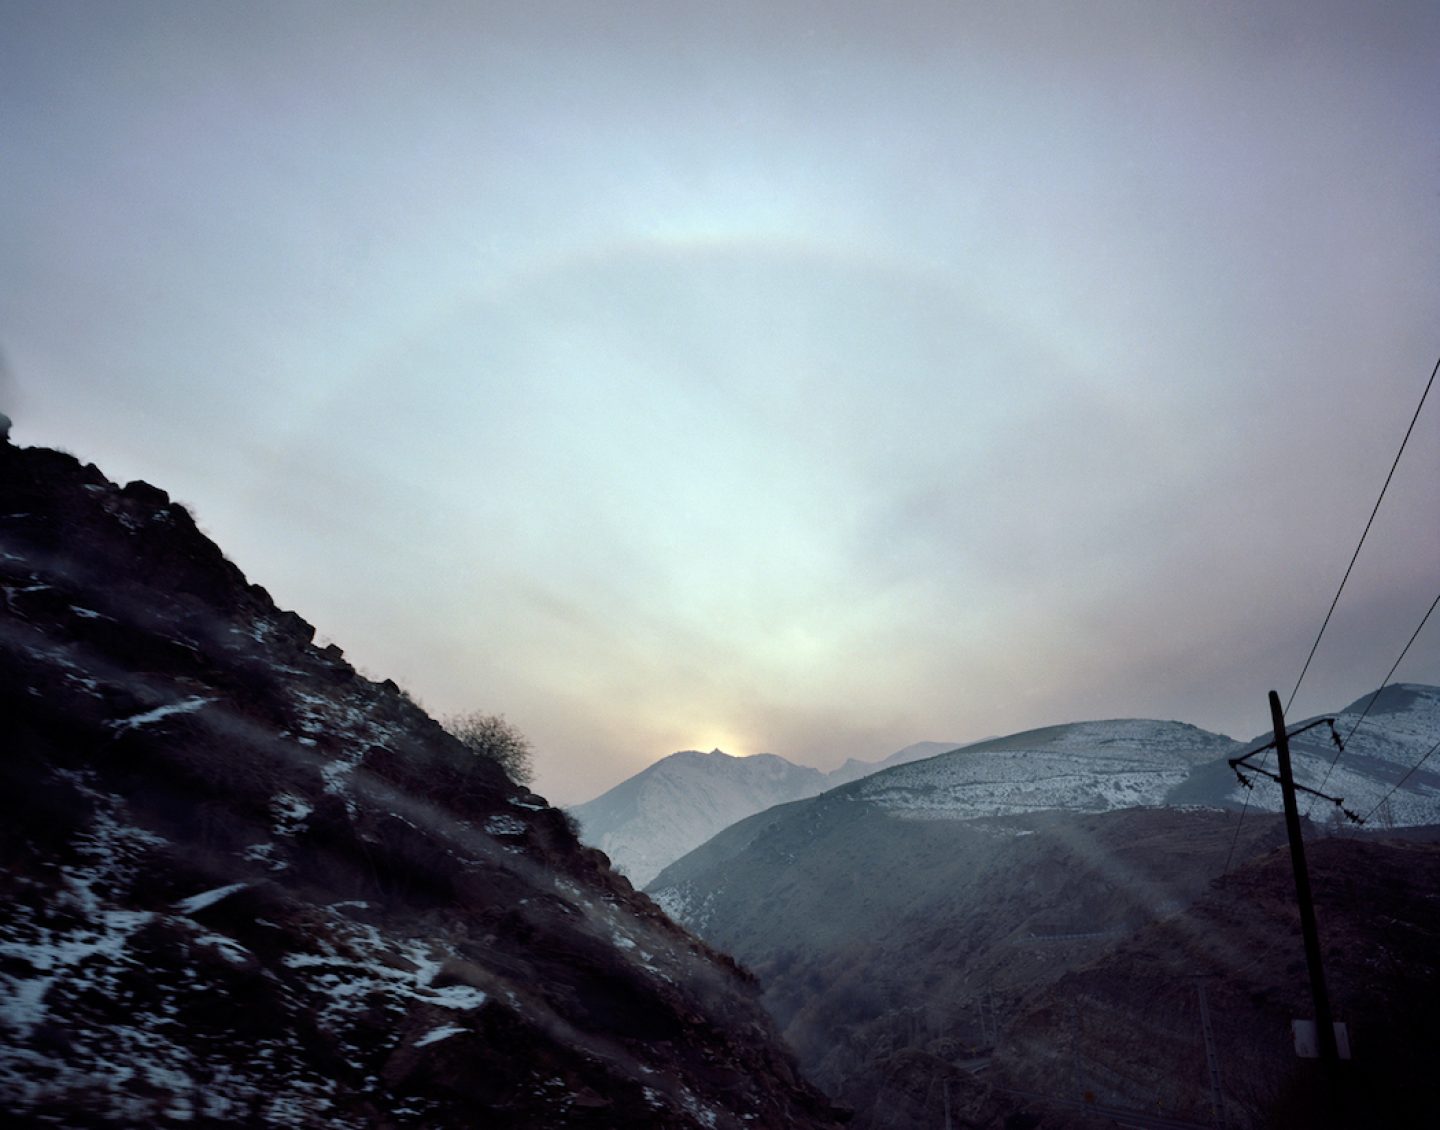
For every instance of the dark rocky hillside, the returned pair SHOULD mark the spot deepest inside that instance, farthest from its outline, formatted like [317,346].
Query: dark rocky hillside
[241,884]
[1125,1030]
[876,934]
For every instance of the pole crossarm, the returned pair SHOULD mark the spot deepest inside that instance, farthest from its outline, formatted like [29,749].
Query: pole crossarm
[1337,801]
[1236,762]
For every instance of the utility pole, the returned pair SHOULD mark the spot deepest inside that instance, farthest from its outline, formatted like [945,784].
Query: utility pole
[1324,1022]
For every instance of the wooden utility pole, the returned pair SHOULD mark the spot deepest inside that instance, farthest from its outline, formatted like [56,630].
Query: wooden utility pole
[1324,1022]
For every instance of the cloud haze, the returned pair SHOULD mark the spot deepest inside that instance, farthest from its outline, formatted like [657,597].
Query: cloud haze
[812,378]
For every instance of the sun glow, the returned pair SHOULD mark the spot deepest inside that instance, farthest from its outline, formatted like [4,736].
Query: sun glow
[722,739]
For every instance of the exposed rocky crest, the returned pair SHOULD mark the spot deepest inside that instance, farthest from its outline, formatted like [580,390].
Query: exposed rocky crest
[243,884]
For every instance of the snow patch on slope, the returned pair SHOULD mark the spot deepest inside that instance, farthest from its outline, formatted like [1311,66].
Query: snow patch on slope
[150,717]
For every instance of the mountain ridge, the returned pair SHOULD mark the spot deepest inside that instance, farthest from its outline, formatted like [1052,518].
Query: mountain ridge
[677,803]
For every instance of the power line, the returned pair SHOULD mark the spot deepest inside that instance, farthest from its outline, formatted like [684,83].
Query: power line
[1326,622]
[1249,788]
[1363,536]
[1402,780]
[1383,683]
[1394,665]
[1264,751]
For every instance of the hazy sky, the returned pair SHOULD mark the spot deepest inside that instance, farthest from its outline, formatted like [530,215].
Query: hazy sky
[813,378]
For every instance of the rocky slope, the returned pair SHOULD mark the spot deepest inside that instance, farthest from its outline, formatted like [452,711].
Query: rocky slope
[243,885]
[651,819]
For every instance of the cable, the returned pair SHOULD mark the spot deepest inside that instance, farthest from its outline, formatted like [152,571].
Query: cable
[1401,781]
[1383,683]
[1363,536]
[1260,770]
[1244,809]
[1394,665]
[1348,569]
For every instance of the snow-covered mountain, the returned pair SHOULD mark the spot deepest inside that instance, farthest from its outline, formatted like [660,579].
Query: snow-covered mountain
[1076,767]
[653,818]
[243,885]
[1103,766]
[1085,766]
[678,803]
[672,807]
[1094,766]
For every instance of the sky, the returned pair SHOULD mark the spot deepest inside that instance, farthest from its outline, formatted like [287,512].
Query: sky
[799,377]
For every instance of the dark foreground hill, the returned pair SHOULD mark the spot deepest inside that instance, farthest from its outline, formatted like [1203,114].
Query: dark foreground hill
[874,932]
[1126,1030]
[242,885]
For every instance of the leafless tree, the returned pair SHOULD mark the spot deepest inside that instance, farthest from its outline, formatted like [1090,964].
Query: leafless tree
[494,737]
